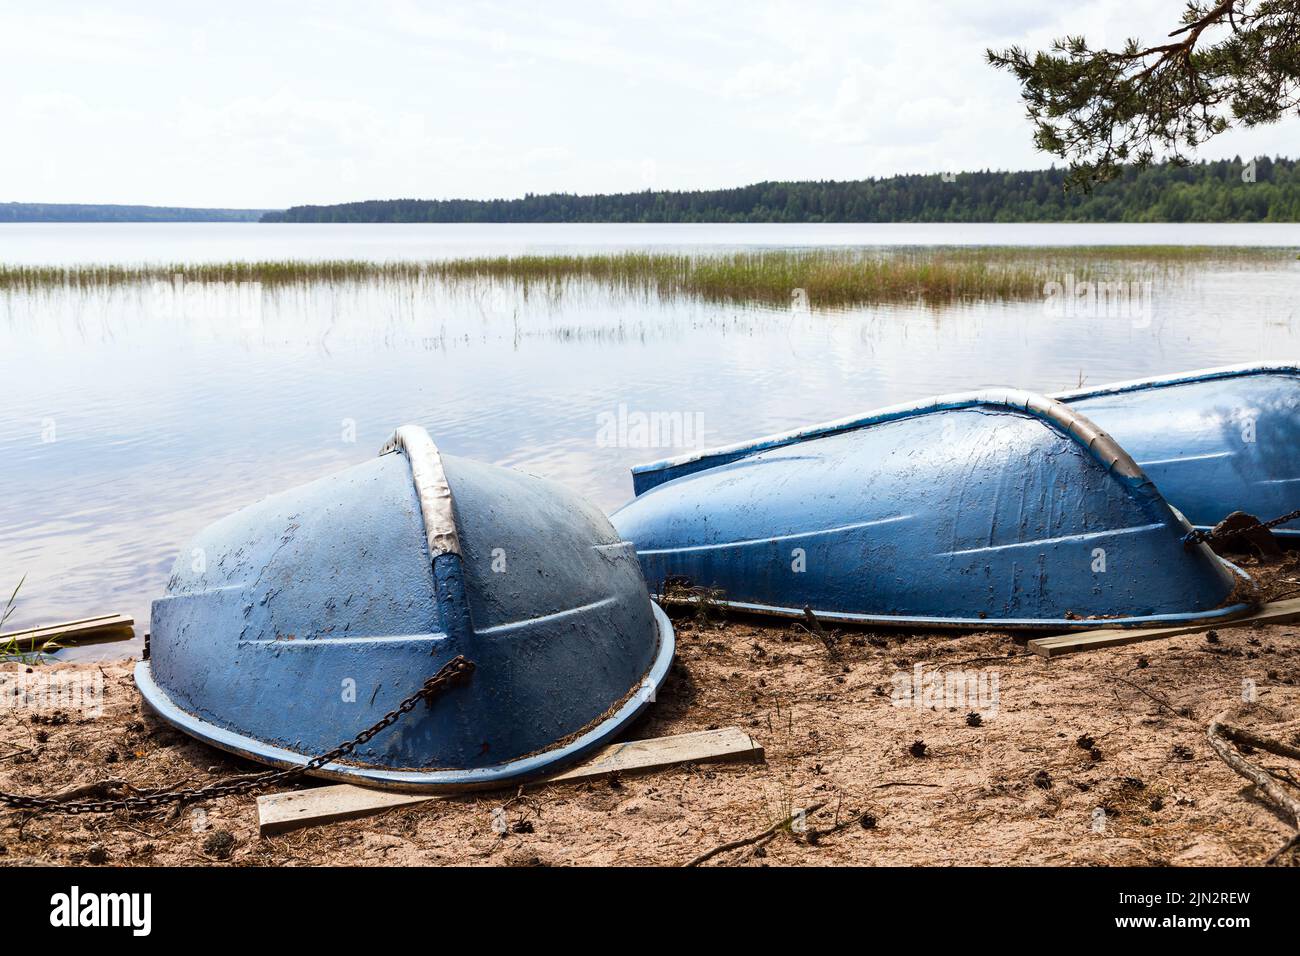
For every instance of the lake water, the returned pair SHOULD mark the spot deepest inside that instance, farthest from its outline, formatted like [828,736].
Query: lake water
[133,417]
[51,243]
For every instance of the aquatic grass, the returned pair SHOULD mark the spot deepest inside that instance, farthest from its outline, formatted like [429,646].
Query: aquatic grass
[828,277]
[12,649]
[10,605]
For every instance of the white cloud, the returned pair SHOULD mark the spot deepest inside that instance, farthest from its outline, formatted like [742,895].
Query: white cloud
[267,105]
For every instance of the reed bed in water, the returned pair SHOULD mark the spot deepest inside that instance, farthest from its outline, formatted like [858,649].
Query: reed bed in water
[827,277]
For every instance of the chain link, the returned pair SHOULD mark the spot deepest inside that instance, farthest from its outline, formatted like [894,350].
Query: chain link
[455,670]
[1196,536]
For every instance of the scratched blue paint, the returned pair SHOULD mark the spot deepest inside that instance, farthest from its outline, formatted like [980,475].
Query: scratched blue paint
[991,509]
[1214,441]
[295,623]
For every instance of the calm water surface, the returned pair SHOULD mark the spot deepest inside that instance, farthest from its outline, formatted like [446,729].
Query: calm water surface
[131,418]
[46,243]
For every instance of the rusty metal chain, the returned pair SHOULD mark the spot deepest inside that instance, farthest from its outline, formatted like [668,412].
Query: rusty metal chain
[1196,536]
[455,670]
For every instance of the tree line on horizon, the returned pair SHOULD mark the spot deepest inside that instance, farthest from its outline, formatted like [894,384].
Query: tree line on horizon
[91,212]
[1261,190]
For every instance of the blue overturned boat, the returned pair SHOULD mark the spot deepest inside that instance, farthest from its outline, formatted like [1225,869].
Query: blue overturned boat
[998,508]
[296,623]
[1214,441]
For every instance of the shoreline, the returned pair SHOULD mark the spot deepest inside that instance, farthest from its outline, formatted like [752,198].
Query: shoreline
[1018,786]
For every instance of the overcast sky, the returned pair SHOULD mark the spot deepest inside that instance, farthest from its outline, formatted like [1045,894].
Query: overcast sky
[272,104]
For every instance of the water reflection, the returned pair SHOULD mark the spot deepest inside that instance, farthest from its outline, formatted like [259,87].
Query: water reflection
[133,420]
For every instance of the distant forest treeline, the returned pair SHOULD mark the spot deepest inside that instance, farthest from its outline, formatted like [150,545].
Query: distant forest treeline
[77,212]
[1220,191]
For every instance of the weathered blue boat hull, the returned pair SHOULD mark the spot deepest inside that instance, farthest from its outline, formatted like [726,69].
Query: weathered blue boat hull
[993,509]
[1214,441]
[294,624]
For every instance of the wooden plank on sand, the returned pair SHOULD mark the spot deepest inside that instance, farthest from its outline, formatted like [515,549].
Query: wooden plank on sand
[278,812]
[85,630]
[1278,612]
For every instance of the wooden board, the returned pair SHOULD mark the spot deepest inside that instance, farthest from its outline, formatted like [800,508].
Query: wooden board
[1276,613]
[278,812]
[103,627]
